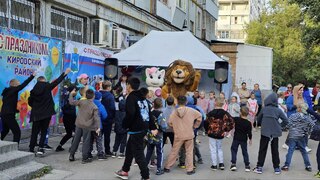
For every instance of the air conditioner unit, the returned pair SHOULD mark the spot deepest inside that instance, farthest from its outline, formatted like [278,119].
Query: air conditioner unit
[102,33]
[120,38]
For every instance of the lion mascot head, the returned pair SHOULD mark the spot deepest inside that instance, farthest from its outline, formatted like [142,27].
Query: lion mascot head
[180,78]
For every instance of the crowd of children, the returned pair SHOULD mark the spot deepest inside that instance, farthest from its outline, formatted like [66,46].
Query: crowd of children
[149,121]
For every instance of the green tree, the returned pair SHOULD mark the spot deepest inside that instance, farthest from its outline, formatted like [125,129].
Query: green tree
[279,27]
[311,37]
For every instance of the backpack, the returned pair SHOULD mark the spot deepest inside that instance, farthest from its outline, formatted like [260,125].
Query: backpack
[162,123]
[144,110]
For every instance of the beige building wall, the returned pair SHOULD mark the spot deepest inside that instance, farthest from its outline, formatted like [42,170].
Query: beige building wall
[233,17]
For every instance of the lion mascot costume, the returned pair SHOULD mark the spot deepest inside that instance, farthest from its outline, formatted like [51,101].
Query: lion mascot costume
[180,78]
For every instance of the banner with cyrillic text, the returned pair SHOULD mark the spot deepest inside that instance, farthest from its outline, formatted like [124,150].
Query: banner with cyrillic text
[22,53]
[83,58]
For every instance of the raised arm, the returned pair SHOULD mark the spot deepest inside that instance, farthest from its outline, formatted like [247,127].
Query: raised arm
[59,79]
[26,82]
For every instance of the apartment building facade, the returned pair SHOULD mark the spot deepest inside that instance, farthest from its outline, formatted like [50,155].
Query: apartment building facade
[113,24]
[234,15]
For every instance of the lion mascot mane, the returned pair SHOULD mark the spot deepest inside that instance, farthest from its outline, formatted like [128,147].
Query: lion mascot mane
[180,78]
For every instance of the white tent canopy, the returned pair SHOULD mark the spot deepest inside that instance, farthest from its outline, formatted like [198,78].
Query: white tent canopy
[160,48]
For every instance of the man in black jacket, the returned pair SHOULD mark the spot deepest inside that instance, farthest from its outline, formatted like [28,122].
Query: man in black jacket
[9,108]
[138,121]
[42,105]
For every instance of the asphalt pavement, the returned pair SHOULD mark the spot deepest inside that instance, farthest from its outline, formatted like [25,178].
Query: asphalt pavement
[63,169]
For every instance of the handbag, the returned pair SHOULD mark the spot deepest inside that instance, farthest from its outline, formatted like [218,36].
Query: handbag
[315,133]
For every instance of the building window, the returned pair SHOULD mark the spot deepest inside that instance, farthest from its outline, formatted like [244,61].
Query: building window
[234,7]
[223,34]
[199,20]
[182,4]
[236,20]
[17,14]
[67,26]
[191,26]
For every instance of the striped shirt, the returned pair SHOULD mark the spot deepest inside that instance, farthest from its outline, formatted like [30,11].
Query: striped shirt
[299,125]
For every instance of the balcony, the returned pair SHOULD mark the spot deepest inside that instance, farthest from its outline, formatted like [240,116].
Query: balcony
[212,8]
[178,17]
[163,11]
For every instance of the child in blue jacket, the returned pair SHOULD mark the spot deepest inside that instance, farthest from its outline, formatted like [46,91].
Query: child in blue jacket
[103,117]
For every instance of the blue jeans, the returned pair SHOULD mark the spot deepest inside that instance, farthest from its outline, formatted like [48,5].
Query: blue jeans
[301,144]
[216,151]
[159,148]
[234,151]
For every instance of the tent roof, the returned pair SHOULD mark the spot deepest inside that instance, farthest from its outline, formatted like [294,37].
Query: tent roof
[160,48]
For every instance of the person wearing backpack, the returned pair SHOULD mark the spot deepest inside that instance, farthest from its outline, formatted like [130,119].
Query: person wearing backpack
[69,117]
[121,133]
[138,121]
[157,141]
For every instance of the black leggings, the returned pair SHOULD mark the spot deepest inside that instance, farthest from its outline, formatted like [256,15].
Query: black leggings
[69,126]
[9,123]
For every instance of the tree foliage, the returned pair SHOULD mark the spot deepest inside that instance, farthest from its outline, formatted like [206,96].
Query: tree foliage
[280,28]
[311,36]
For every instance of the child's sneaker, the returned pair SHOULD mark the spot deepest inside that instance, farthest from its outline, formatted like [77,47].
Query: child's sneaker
[114,154]
[308,168]
[214,168]
[159,172]
[182,166]
[233,167]
[40,152]
[247,169]
[152,164]
[200,161]
[285,168]
[277,171]
[121,174]
[102,157]
[85,161]
[317,175]
[121,156]
[47,147]
[221,166]
[59,148]
[258,170]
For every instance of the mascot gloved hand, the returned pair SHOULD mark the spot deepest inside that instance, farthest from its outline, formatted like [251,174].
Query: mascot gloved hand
[180,78]
[155,80]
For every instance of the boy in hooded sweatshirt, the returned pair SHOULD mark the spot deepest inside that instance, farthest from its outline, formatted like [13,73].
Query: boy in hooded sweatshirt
[218,122]
[87,120]
[98,137]
[183,121]
[9,108]
[196,150]
[271,130]
[138,121]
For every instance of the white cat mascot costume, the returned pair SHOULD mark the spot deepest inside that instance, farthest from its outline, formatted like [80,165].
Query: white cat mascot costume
[155,80]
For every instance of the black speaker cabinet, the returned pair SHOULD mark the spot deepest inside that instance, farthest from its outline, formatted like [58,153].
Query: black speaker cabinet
[111,68]
[221,72]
